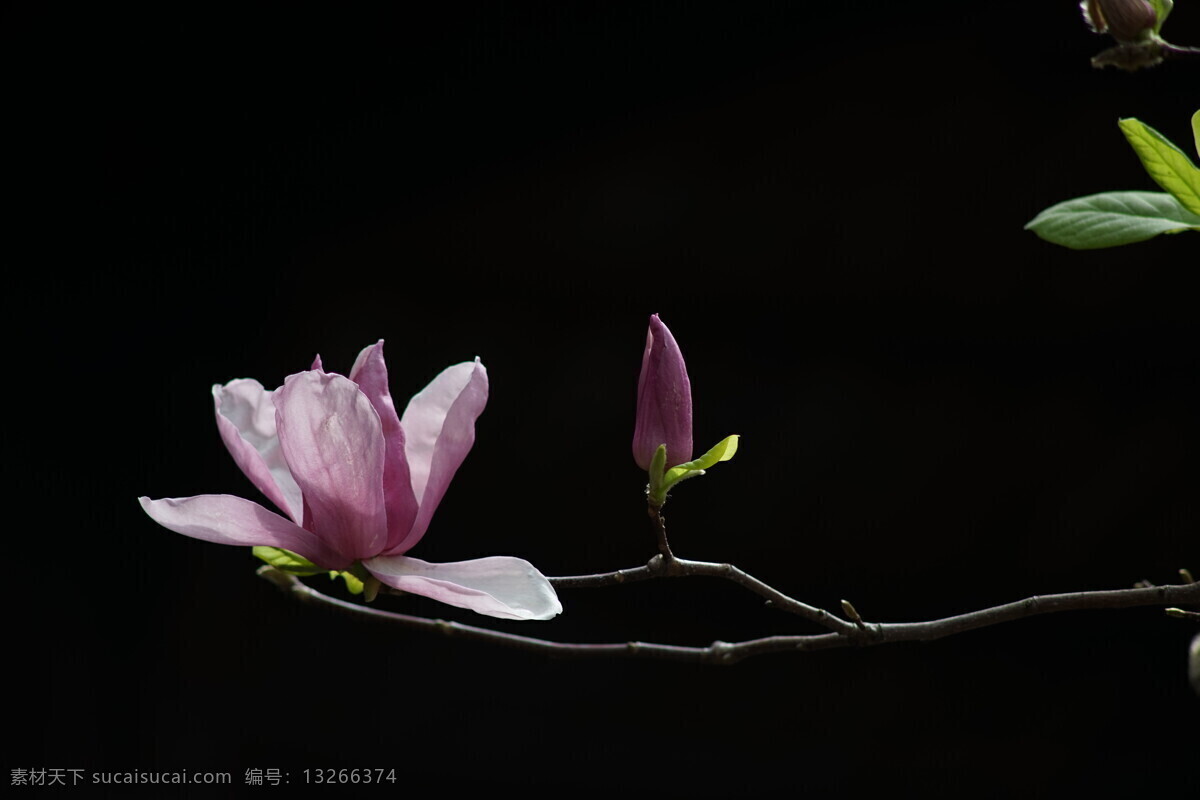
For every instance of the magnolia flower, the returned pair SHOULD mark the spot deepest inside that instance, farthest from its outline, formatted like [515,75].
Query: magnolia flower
[664,400]
[662,432]
[359,484]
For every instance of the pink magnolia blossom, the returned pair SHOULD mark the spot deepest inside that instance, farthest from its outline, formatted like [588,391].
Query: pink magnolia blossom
[664,400]
[358,482]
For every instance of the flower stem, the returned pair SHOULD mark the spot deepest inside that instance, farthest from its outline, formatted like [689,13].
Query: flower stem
[660,531]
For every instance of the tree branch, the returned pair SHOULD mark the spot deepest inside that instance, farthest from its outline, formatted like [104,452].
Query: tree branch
[860,634]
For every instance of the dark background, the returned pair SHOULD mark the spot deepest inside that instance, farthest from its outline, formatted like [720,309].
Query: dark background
[825,203]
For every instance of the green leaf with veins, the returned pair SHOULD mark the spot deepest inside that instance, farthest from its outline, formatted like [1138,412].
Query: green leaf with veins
[1111,219]
[1167,164]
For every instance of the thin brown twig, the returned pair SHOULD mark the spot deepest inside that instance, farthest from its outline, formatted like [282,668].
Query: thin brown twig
[659,567]
[660,530]
[720,652]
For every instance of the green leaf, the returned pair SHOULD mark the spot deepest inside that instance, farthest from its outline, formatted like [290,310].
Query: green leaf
[1196,130]
[1112,218]
[660,483]
[287,561]
[1161,8]
[1167,164]
[723,451]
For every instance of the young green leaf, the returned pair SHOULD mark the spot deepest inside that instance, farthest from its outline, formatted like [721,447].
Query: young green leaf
[661,483]
[1112,218]
[286,561]
[721,451]
[1167,164]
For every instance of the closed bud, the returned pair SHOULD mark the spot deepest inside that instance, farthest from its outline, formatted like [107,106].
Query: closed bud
[664,401]
[1127,20]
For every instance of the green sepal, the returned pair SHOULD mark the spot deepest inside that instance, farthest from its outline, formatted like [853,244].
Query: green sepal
[1110,219]
[1167,164]
[658,466]
[286,561]
[357,578]
[1161,9]
[354,584]
[655,491]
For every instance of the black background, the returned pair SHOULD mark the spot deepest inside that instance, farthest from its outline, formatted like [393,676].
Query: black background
[824,202]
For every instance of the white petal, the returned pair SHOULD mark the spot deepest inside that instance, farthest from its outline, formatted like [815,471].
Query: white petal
[498,586]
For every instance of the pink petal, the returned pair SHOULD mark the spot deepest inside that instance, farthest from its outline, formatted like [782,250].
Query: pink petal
[498,586]
[226,519]
[331,438]
[370,373]
[439,429]
[246,420]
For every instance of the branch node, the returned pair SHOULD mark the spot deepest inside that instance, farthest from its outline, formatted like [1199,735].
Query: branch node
[1186,574]
[1143,584]
[672,567]
[721,652]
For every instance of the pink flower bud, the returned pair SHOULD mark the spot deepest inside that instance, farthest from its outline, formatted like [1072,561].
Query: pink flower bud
[664,401]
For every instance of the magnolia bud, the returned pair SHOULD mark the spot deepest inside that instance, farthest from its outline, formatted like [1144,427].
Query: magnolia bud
[664,400]
[1126,20]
